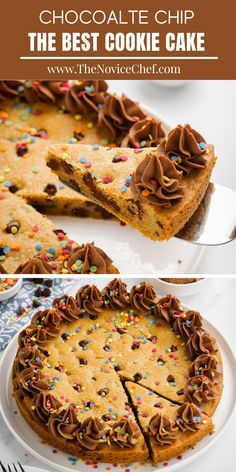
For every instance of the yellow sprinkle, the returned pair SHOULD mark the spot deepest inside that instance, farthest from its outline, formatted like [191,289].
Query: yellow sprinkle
[7,170]
[78,117]
[90,125]
[1,178]
[166,178]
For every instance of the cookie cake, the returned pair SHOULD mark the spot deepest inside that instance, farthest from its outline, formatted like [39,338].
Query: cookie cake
[118,376]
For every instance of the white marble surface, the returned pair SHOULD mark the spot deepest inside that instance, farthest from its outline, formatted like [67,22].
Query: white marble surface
[209,106]
[216,302]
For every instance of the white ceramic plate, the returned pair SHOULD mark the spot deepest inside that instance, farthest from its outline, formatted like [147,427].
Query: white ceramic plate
[61,462]
[132,252]
[34,469]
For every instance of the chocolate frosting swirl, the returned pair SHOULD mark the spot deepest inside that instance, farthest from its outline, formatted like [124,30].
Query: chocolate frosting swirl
[163,429]
[28,357]
[35,265]
[63,424]
[9,89]
[168,308]
[125,433]
[143,297]
[91,433]
[115,294]
[189,417]
[186,324]
[67,307]
[207,366]
[33,335]
[200,342]
[199,390]
[156,180]
[118,114]
[144,133]
[185,147]
[87,258]
[43,405]
[86,96]
[41,91]
[49,321]
[30,381]
[90,300]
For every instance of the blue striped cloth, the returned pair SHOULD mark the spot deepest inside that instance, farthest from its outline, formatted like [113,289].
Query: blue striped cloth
[11,322]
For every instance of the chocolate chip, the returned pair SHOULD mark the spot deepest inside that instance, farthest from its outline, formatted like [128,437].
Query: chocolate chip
[116,159]
[36,304]
[135,346]
[107,348]
[160,361]
[93,317]
[88,404]
[12,224]
[106,417]
[170,379]
[153,339]
[77,387]
[103,392]
[65,336]
[41,133]
[83,361]
[60,368]
[56,231]
[83,343]
[50,189]
[180,392]
[121,330]
[173,348]
[48,283]
[137,377]
[78,136]
[38,292]
[20,310]
[13,188]
[22,150]
[117,368]
[158,405]
[46,292]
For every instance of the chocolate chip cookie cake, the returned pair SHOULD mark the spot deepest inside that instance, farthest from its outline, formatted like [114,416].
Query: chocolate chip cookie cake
[118,376]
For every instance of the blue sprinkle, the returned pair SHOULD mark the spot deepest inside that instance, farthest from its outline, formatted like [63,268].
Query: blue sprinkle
[123,188]
[110,409]
[25,135]
[96,147]
[7,183]
[61,186]
[37,359]
[77,330]
[51,250]
[83,159]
[202,145]
[6,250]
[128,179]
[174,158]
[38,247]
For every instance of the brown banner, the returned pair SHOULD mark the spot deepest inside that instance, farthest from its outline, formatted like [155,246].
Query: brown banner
[117,40]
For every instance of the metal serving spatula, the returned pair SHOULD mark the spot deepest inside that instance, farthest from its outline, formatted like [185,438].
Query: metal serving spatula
[214,221]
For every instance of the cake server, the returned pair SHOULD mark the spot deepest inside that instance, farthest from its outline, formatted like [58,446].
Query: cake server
[214,221]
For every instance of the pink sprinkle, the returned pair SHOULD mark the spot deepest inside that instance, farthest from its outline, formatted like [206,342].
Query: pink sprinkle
[139,402]
[67,400]
[62,397]
[35,228]
[144,415]
[115,397]
[161,406]
[88,164]
[107,179]
[45,257]
[54,265]
[122,223]
[153,181]
[124,158]
[157,383]
[154,349]
[171,355]
[180,457]
[2,196]
[60,235]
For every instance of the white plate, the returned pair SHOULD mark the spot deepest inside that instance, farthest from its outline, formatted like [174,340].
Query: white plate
[132,252]
[32,443]
[34,469]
